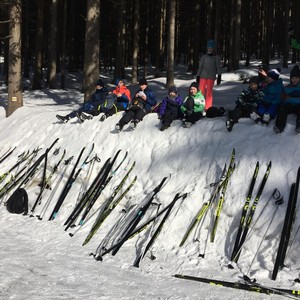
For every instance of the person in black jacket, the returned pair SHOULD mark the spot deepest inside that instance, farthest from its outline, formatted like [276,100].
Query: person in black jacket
[141,105]
[100,101]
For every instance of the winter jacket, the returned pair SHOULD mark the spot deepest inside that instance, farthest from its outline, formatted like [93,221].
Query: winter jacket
[147,104]
[125,98]
[273,92]
[168,103]
[199,102]
[292,94]
[99,95]
[250,97]
[209,66]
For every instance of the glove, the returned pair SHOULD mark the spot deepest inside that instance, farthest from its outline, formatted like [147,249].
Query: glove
[219,79]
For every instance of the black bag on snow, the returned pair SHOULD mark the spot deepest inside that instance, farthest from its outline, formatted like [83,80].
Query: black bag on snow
[214,112]
[18,202]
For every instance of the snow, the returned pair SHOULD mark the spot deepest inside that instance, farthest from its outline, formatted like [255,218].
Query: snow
[41,261]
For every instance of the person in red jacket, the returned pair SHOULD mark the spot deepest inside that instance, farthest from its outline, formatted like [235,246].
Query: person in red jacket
[123,98]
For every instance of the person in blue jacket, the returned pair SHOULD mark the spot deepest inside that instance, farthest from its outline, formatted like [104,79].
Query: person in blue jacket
[170,108]
[291,103]
[100,101]
[142,103]
[267,109]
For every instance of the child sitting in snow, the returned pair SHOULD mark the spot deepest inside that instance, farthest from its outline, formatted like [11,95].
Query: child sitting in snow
[291,104]
[122,94]
[169,108]
[141,105]
[267,109]
[193,106]
[246,103]
[100,101]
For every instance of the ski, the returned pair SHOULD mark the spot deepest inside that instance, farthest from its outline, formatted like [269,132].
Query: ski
[85,198]
[244,211]
[132,225]
[251,213]
[74,174]
[46,181]
[24,178]
[230,170]
[158,229]
[5,155]
[107,207]
[60,178]
[104,214]
[104,182]
[218,185]
[287,227]
[247,286]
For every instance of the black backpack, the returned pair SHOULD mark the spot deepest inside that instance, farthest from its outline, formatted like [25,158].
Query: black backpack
[18,202]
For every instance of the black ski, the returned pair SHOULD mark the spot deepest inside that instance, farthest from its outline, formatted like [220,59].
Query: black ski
[251,213]
[287,227]
[247,286]
[244,212]
[74,174]
[132,225]
[158,229]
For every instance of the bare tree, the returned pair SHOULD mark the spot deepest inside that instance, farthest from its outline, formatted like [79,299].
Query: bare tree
[52,46]
[37,76]
[119,67]
[92,48]
[15,99]
[171,42]
[135,52]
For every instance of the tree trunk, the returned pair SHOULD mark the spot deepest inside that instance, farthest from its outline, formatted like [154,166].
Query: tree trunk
[15,99]
[92,48]
[119,66]
[37,76]
[135,52]
[286,34]
[171,42]
[52,47]
[63,47]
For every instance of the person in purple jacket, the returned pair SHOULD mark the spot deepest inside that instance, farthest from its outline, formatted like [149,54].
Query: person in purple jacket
[169,109]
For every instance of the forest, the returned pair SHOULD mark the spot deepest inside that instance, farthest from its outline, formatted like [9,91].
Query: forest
[43,38]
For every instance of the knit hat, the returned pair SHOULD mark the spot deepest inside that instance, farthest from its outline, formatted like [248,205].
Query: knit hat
[295,72]
[254,79]
[100,82]
[274,74]
[194,84]
[211,44]
[143,81]
[173,89]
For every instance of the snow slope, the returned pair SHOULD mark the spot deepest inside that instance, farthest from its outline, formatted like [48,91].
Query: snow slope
[40,259]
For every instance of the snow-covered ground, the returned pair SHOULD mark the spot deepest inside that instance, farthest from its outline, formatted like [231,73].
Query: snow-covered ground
[41,261]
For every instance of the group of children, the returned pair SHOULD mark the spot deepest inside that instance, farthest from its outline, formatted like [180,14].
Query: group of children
[265,99]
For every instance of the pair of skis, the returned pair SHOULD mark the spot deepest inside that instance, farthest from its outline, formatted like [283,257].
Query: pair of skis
[246,220]
[219,186]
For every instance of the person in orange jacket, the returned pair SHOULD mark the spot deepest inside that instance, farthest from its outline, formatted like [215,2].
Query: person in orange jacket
[123,98]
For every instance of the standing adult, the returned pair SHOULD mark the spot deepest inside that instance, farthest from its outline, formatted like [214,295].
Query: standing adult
[209,67]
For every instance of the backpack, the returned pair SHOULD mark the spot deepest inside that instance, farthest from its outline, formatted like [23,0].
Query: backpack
[18,202]
[214,112]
